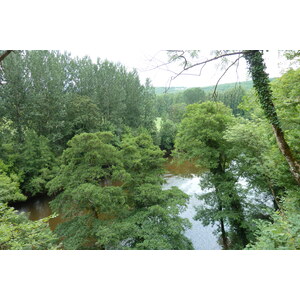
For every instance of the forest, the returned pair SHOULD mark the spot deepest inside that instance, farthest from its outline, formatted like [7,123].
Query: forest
[96,142]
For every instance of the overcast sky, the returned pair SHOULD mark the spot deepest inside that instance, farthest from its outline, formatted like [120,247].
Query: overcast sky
[147,61]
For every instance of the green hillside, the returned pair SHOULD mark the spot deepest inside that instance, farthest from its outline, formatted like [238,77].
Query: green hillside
[247,85]
[162,90]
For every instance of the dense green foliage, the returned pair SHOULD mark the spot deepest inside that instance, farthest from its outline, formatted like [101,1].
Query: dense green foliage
[171,107]
[59,96]
[201,138]
[46,99]
[283,233]
[167,135]
[19,233]
[9,186]
[232,98]
[110,192]
[16,231]
[93,137]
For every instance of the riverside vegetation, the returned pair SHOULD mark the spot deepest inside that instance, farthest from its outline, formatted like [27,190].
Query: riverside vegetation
[95,139]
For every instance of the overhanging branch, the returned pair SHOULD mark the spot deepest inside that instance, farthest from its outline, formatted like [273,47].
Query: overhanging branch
[203,63]
[214,92]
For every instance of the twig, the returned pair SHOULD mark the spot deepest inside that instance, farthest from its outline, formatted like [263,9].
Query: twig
[205,62]
[214,95]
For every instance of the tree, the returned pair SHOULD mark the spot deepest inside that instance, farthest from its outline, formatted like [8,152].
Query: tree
[261,84]
[13,94]
[44,91]
[176,112]
[286,91]
[35,163]
[148,108]
[82,115]
[9,187]
[232,98]
[50,82]
[19,233]
[255,159]
[283,232]
[201,137]
[167,135]
[110,192]
[193,95]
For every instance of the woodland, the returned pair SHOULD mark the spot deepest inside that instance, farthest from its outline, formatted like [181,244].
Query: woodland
[94,139]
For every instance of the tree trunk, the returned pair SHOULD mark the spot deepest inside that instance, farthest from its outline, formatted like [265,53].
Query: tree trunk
[223,234]
[286,151]
[261,83]
[237,224]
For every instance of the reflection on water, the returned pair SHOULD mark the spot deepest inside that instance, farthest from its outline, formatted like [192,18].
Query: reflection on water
[202,237]
[38,208]
[186,177]
[184,169]
[181,175]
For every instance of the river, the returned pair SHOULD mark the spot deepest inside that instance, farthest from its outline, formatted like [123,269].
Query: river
[38,208]
[184,176]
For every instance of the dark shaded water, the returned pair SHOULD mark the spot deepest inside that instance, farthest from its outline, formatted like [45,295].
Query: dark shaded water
[184,176]
[37,208]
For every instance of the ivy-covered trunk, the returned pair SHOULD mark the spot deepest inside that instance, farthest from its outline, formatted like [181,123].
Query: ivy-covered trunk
[261,83]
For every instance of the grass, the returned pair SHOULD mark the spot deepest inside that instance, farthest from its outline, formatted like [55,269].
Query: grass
[158,123]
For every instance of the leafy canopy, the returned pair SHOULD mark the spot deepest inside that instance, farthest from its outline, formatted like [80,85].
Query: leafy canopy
[110,193]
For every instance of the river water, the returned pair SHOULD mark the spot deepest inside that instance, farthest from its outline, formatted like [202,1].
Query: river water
[202,237]
[38,208]
[184,176]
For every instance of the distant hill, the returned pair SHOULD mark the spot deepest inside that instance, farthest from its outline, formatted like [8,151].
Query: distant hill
[247,85]
[161,90]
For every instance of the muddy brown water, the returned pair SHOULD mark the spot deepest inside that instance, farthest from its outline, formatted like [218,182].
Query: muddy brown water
[183,175]
[37,208]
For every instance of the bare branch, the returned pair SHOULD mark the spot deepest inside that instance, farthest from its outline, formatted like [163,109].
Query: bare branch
[187,67]
[214,58]
[214,92]
[237,74]
[185,60]
[202,69]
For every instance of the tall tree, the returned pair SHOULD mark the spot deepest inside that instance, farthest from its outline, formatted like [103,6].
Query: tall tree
[201,138]
[111,195]
[261,84]
[14,92]
[193,95]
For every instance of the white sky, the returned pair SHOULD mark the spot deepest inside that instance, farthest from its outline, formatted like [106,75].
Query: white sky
[131,32]
[146,62]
